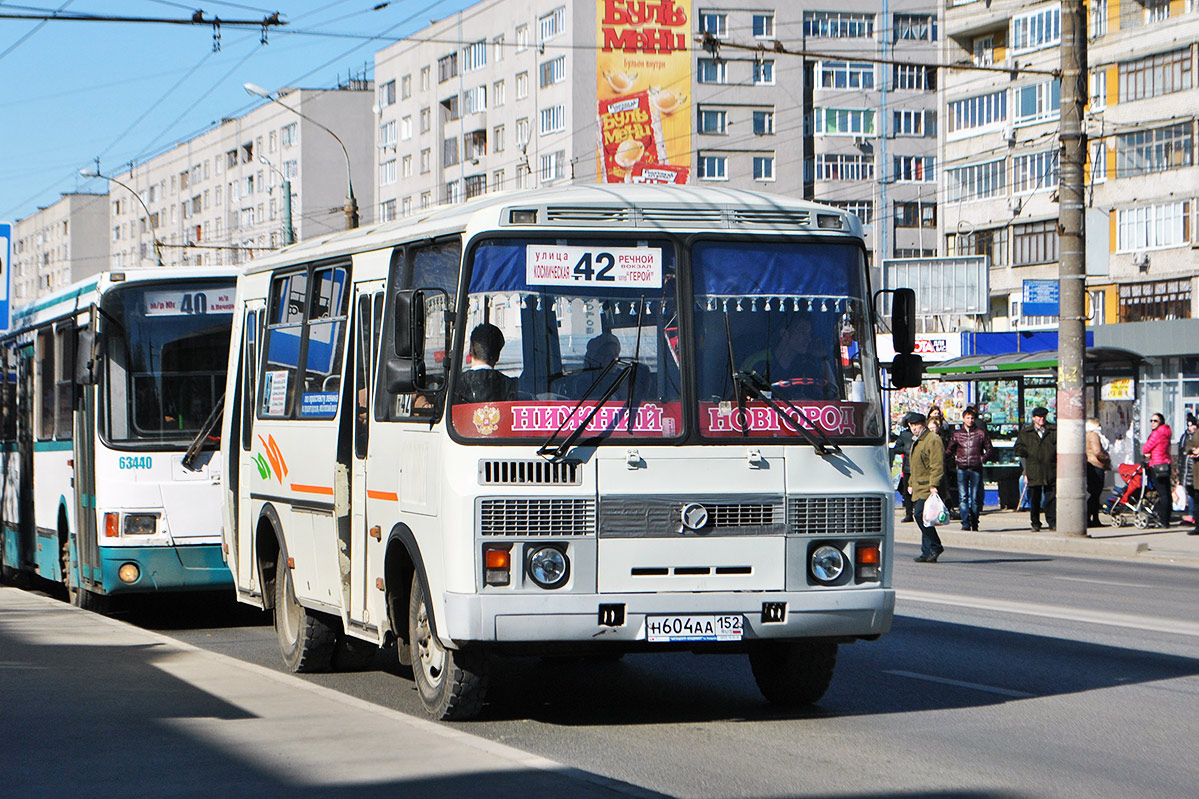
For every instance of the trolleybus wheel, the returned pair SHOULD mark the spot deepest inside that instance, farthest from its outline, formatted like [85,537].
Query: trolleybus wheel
[452,683]
[793,672]
[305,638]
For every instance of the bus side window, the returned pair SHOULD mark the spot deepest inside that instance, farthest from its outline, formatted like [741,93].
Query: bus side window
[365,342]
[45,385]
[8,393]
[284,332]
[64,385]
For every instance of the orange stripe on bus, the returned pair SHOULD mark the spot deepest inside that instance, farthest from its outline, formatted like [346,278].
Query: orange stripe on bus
[327,491]
[390,496]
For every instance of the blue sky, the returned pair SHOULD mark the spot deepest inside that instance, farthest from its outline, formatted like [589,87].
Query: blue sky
[74,91]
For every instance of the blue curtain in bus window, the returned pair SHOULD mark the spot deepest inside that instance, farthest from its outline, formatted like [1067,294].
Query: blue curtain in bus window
[739,268]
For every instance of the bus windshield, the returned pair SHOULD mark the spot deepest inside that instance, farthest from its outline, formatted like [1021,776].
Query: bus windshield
[563,333]
[782,329]
[166,347]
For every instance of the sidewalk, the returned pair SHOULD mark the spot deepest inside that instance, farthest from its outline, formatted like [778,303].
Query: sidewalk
[94,706]
[1010,531]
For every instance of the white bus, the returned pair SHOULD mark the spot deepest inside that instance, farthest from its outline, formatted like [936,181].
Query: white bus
[107,383]
[581,420]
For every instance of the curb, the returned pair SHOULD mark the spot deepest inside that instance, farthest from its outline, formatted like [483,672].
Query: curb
[1053,544]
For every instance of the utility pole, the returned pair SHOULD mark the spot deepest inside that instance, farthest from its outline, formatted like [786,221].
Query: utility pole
[1071,430]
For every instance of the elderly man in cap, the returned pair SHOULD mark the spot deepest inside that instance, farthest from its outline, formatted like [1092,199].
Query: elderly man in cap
[1037,445]
[928,467]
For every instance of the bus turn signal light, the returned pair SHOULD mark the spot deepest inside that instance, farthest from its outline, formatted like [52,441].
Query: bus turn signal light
[869,563]
[112,525]
[497,565]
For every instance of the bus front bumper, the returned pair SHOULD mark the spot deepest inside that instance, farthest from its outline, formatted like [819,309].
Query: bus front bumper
[199,567]
[851,613]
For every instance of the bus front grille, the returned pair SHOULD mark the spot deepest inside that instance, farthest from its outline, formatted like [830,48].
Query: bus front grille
[536,517]
[658,517]
[529,472]
[836,515]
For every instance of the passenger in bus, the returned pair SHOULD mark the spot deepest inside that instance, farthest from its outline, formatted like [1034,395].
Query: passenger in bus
[482,382]
[797,366]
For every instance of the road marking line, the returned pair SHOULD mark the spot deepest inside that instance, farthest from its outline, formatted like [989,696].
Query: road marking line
[990,689]
[1103,582]
[1144,623]
[14,665]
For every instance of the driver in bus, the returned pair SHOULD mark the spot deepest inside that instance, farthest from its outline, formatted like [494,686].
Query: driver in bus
[798,366]
[482,382]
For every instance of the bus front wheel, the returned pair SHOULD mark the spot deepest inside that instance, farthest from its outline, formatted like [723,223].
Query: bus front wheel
[793,672]
[452,683]
[306,639]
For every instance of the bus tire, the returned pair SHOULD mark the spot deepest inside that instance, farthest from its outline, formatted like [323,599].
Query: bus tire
[452,683]
[793,672]
[306,639]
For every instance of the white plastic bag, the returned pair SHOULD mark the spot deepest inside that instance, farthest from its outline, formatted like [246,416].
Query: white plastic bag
[935,511]
[1179,498]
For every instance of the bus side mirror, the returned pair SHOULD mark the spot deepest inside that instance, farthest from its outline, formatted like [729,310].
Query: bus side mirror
[405,368]
[907,370]
[903,321]
[87,353]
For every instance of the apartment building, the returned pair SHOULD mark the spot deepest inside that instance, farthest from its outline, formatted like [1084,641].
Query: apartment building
[1000,153]
[217,197]
[517,105]
[58,245]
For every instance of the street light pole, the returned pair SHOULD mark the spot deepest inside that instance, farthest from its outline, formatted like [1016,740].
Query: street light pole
[95,173]
[351,207]
[289,233]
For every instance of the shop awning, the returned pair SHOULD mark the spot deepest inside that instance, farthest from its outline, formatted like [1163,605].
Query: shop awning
[1100,360]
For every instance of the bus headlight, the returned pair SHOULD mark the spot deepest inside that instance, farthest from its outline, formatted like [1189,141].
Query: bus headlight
[547,566]
[141,523]
[828,563]
[129,573]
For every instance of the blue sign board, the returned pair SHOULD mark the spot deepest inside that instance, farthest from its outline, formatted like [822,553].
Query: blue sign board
[1040,298]
[5,272]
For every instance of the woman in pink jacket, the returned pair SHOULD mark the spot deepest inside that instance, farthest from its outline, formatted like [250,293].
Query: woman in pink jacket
[1157,450]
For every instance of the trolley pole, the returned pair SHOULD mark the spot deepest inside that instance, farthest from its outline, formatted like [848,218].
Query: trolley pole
[1071,429]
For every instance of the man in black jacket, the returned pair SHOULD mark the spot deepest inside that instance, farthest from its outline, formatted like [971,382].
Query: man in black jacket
[903,448]
[1037,444]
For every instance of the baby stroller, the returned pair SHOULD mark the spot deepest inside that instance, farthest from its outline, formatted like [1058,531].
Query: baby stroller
[1136,501]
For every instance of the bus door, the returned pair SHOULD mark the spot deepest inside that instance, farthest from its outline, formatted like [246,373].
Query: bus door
[87,545]
[366,527]
[248,465]
[26,526]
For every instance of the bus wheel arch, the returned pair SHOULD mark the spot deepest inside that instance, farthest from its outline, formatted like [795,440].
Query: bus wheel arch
[269,551]
[401,563]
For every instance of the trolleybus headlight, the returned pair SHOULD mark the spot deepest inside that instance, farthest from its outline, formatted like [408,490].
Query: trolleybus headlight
[548,566]
[129,572]
[141,524]
[827,564]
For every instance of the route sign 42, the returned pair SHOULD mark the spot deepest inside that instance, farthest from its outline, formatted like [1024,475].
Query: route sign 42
[613,267]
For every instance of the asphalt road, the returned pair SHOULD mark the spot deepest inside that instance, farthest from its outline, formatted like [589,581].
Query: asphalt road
[1005,675]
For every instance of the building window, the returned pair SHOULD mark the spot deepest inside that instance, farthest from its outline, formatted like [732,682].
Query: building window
[714,23]
[975,182]
[449,151]
[764,73]
[425,78]
[1156,11]
[915,252]
[1160,299]
[387,94]
[991,243]
[497,138]
[1034,243]
[407,206]
[406,128]
[1041,28]
[1144,152]
[914,78]
[713,167]
[1098,88]
[522,85]
[844,166]
[844,122]
[1153,227]
[763,123]
[763,26]
[862,209]
[711,71]
[426,160]
[764,167]
[522,38]
[447,67]
[406,87]
[1035,172]
[497,180]
[288,135]
[474,100]
[387,134]
[712,120]
[553,119]
[553,71]
[552,24]
[1155,75]
[426,199]
[522,131]
[474,145]
[387,211]
[291,169]
[1098,21]
[915,168]
[845,75]
[552,165]
[476,186]
[387,172]
[406,166]
[497,94]
[837,25]
[449,107]
[978,112]
[914,27]
[1038,102]
[474,56]
[908,122]
[426,120]
[916,214]
[497,48]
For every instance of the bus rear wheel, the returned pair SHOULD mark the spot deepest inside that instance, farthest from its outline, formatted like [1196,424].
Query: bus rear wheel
[452,683]
[793,672]
[306,639]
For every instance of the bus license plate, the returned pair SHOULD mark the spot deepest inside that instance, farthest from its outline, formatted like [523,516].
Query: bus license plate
[694,628]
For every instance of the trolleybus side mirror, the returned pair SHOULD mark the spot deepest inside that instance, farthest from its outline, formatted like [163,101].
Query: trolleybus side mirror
[907,370]
[406,367]
[903,321]
[86,358]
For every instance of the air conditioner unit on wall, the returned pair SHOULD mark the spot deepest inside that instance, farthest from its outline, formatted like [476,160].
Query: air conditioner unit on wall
[1141,260]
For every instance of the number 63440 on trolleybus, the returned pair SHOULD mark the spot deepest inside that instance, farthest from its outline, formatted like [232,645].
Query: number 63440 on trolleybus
[585,420]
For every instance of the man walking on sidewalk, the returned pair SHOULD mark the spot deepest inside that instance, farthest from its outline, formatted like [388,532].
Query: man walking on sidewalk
[928,466]
[969,447]
[1037,444]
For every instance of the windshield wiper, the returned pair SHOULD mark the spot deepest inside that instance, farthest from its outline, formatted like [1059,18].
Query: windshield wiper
[752,382]
[556,454]
[204,437]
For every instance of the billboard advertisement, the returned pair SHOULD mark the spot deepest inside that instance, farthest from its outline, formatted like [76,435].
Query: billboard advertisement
[643,89]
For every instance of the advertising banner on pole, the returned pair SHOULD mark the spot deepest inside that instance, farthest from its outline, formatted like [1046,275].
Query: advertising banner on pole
[643,89]
[5,273]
